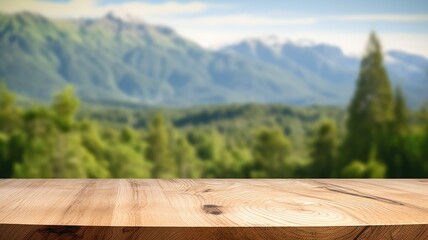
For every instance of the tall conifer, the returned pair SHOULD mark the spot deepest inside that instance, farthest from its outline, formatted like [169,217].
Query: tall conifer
[159,151]
[371,110]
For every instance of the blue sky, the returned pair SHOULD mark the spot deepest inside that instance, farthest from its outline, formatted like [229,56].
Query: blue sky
[401,24]
[323,7]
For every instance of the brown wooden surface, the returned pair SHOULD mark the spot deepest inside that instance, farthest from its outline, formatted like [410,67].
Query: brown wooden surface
[213,209]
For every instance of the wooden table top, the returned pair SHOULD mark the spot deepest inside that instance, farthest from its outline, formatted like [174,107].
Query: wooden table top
[214,202]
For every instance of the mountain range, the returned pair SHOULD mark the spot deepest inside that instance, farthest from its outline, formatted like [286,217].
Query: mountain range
[113,60]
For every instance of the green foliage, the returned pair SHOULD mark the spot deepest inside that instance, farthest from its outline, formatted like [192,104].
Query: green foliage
[401,114]
[109,60]
[5,163]
[186,159]
[372,169]
[158,149]
[126,162]
[65,106]
[398,138]
[381,131]
[9,113]
[249,140]
[371,108]
[323,150]
[356,169]
[128,63]
[271,151]
[10,120]
[50,152]
[44,148]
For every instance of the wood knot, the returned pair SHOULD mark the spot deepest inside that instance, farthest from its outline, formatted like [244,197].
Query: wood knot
[212,209]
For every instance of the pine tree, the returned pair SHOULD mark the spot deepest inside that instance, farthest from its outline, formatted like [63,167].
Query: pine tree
[399,133]
[48,152]
[371,108]
[158,150]
[9,113]
[271,152]
[323,150]
[65,106]
[372,168]
[10,124]
[424,146]
[401,113]
[126,162]
[186,160]
[375,168]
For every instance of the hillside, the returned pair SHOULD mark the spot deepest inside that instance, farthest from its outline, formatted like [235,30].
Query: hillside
[329,66]
[110,60]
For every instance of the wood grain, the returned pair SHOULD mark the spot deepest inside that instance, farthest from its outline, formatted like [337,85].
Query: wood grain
[213,209]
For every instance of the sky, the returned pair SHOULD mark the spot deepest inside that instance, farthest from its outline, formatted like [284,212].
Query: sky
[400,24]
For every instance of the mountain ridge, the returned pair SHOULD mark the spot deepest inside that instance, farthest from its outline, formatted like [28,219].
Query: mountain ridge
[410,71]
[109,59]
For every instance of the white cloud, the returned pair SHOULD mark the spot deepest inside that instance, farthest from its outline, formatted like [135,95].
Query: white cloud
[350,42]
[382,18]
[143,10]
[191,20]
[165,13]
[90,8]
[355,43]
[243,20]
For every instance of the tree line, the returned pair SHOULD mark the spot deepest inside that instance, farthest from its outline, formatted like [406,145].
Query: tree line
[380,137]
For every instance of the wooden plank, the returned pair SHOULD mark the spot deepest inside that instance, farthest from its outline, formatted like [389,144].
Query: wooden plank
[213,209]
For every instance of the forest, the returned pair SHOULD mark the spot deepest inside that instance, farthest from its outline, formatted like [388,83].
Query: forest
[376,136]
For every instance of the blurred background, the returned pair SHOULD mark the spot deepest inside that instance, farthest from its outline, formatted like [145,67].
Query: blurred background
[213,89]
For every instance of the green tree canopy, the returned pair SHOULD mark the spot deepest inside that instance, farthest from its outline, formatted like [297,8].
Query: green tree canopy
[401,113]
[9,113]
[323,150]
[371,110]
[159,149]
[271,151]
[373,168]
[188,164]
[65,106]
